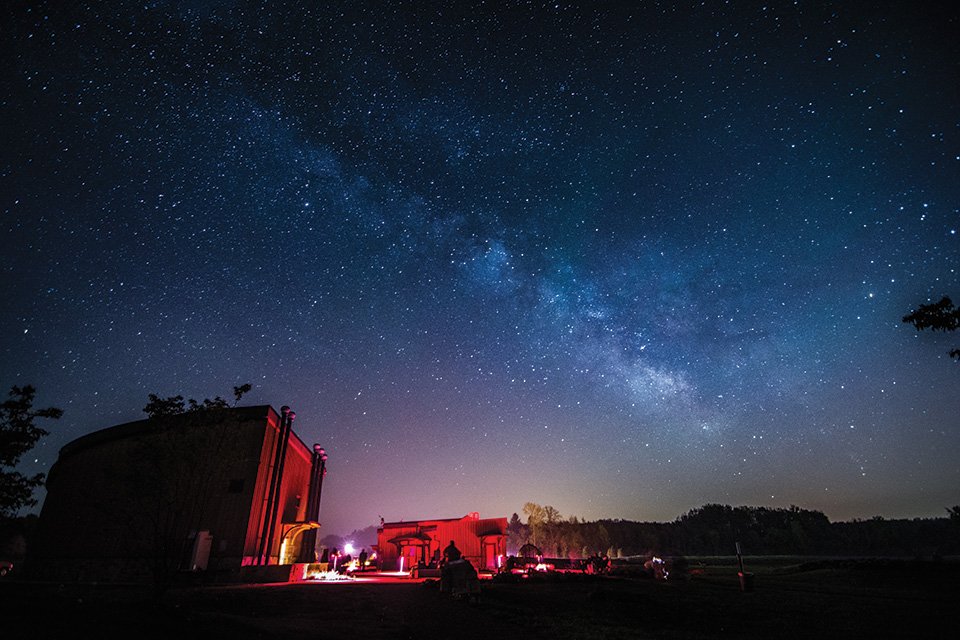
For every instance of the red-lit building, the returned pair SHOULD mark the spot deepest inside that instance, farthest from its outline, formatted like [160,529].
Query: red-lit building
[217,490]
[406,545]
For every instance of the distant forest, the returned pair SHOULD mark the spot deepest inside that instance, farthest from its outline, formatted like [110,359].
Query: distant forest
[714,529]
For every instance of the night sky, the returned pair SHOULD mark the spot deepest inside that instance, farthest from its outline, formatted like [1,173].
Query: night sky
[623,259]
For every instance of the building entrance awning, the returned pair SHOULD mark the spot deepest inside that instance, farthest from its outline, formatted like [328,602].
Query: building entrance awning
[292,529]
[412,540]
[492,534]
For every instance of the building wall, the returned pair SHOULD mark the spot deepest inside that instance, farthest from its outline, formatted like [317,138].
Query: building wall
[479,541]
[260,489]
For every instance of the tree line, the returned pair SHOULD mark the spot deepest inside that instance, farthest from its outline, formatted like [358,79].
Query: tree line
[714,529]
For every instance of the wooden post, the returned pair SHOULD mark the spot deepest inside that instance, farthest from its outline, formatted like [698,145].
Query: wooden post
[746,579]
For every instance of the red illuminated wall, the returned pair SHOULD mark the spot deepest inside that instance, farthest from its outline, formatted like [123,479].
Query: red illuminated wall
[482,542]
[293,491]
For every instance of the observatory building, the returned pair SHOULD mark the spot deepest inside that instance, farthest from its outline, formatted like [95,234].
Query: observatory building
[229,492]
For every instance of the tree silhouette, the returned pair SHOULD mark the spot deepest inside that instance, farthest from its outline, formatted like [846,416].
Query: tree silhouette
[18,434]
[168,481]
[173,406]
[938,316]
[714,529]
[518,534]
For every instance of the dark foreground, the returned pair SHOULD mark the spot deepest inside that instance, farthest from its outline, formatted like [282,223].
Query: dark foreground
[824,600]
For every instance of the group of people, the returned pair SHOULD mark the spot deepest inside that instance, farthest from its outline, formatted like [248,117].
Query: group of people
[341,562]
[597,564]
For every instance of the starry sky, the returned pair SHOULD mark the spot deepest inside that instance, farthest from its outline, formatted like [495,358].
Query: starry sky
[620,258]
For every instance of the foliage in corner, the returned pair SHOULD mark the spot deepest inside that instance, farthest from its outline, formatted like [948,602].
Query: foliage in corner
[937,316]
[19,434]
[174,405]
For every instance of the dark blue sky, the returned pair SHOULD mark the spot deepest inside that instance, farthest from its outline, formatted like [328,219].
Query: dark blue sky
[619,260]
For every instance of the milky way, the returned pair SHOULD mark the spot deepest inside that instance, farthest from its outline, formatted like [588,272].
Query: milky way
[619,260]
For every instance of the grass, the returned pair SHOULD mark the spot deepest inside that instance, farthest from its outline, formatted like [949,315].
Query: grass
[793,598]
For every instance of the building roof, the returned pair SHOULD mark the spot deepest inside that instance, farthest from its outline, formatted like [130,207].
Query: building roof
[152,425]
[413,523]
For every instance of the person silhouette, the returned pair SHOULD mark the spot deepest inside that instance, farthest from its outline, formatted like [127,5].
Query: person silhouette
[451,553]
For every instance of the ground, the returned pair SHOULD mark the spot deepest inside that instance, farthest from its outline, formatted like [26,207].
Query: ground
[829,599]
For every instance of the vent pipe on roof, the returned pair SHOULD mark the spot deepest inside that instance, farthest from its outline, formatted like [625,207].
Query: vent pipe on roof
[318,469]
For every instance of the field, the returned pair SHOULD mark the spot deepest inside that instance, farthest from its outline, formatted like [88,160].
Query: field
[791,598]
